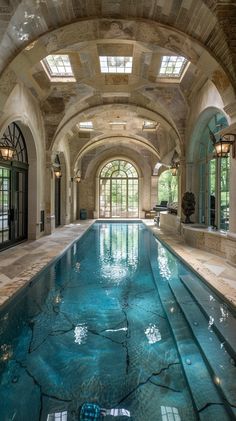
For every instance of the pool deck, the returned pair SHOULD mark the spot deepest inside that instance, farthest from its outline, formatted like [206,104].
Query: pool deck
[19,264]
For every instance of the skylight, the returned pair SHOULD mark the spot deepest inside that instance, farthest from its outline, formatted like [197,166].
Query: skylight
[172,66]
[58,65]
[86,125]
[150,125]
[116,64]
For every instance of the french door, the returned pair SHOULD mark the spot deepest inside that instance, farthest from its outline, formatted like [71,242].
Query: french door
[13,205]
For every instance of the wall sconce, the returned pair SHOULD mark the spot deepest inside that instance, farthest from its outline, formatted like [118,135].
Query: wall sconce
[57,167]
[222,146]
[174,168]
[78,176]
[6,151]
[57,172]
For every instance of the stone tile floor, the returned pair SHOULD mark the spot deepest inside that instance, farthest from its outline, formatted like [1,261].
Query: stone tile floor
[20,263]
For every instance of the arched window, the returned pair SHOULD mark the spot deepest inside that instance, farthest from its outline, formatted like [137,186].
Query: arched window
[13,189]
[213,178]
[119,190]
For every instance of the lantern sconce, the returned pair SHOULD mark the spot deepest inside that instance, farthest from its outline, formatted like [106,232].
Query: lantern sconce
[222,146]
[57,167]
[174,168]
[6,151]
[78,176]
[57,172]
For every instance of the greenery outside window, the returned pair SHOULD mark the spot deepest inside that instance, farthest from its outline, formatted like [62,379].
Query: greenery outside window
[167,187]
[119,190]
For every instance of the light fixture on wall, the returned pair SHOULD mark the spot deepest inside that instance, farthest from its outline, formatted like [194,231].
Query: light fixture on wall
[174,168]
[6,150]
[222,146]
[57,167]
[174,164]
[78,176]
[57,172]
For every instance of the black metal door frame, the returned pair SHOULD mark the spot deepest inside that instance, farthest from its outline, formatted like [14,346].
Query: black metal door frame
[14,217]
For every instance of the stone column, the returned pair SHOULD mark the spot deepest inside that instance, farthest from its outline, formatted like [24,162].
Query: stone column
[154,190]
[182,185]
[49,196]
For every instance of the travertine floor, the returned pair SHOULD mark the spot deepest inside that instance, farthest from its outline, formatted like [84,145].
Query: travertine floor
[19,264]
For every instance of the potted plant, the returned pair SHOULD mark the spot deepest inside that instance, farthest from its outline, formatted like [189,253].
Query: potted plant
[188,206]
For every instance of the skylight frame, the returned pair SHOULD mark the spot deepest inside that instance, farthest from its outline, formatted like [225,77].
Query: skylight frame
[58,66]
[116,64]
[172,66]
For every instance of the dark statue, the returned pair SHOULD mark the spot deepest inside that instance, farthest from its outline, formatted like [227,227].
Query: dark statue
[188,206]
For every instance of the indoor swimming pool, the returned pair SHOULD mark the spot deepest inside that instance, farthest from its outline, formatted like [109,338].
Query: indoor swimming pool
[114,322]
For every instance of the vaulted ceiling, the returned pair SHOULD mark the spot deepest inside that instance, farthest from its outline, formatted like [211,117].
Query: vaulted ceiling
[201,31]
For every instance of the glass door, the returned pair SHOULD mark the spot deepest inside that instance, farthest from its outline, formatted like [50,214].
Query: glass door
[119,198]
[5,206]
[13,206]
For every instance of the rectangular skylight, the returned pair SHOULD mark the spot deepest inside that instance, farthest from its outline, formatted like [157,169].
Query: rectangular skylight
[58,65]
[117,123]
[172,66]
[150,125]
[86,125]
[116,64]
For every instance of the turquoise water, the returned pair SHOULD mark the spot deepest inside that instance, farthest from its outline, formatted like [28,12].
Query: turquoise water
[92,328]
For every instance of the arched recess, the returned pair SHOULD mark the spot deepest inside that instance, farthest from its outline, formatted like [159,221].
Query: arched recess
[31,178]
[90,177]
[211,174]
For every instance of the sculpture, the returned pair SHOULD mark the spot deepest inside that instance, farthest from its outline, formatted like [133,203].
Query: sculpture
[188,206]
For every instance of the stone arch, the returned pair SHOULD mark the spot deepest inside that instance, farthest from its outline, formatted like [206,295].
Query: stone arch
[200,124]
[34,181]
[91,177]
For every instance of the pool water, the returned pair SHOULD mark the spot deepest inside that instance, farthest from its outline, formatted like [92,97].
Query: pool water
[92,328]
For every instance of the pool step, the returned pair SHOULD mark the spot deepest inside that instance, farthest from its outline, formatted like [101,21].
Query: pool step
[224,323]
[198,378]
[220,363]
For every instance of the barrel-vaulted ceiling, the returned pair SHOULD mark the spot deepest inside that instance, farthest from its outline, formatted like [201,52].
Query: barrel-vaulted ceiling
[143,29]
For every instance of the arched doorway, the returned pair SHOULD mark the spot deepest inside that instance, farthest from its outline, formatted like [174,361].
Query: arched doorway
[213,191]
[119,190]
[13,189]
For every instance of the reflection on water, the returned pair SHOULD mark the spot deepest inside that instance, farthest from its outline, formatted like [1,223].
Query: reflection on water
[81,332]
[153,334]
[5,352]
[166,268]
[211,322]
[118,251]
[224,313]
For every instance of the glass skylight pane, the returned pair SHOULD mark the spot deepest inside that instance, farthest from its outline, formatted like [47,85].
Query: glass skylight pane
[116,64]
[86,125]
[172,66]
[58,65]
